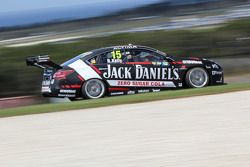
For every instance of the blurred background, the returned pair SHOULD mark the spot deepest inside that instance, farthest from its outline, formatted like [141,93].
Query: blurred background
[214,29]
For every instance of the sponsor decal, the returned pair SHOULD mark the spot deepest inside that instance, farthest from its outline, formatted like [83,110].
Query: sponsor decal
[165,63]
[132,83]
[67,91]
[157,63]
[144,91]
[46,89]
[180,84]
[160,63]
[48,71]
[156,73]
[44,58]
[156,90]
[131,92]
[125,47]
[46,83]
[66,95]
[114,60]
[118,72]
[117,93]
[191,62]
[215,66]
[217,72]
[208,67]
[141,73]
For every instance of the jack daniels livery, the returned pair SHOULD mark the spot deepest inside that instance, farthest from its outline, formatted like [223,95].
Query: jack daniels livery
[121,70]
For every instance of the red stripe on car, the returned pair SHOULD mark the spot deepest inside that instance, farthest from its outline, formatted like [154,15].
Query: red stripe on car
[79,77]
[176,62]
[96,69]
[139,63]
[76,86]
[71,86]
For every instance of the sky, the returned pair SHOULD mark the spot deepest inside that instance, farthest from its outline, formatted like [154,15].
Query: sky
[26,5]
[26,12]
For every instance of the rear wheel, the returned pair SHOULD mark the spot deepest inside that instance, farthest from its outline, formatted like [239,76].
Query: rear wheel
[197,77]
[93,89]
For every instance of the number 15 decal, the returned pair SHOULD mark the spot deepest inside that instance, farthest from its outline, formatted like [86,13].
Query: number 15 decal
[116,54]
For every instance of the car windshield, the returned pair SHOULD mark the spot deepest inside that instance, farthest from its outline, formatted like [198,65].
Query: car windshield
[75,58]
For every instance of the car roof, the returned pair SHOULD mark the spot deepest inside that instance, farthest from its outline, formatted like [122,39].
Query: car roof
[92,53]
[117,47]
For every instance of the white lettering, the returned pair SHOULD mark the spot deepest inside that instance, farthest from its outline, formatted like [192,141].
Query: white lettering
[191,62]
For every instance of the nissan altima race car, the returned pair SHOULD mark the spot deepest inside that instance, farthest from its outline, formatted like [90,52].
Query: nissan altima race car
[120,70]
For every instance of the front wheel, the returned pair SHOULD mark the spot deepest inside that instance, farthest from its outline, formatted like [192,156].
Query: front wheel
[197,78]
[93,89]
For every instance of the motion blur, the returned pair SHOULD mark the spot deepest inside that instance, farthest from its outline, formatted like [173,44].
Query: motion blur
[214,29]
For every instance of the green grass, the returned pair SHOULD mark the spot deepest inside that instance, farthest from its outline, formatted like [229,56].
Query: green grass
[128,99]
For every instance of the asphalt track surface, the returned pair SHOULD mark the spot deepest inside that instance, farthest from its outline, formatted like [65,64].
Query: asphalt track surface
[200,131]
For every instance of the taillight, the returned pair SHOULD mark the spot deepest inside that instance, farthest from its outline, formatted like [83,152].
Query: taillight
[62,74]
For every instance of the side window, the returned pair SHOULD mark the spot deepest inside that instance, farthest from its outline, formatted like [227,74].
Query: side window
[93,60]
[114,56]
[144,56]
[121,56]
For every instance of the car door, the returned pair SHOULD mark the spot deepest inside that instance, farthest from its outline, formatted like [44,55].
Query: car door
[115,72]
[153,71]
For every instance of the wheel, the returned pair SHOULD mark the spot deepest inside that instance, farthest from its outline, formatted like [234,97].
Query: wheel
[197,78]
[93,89]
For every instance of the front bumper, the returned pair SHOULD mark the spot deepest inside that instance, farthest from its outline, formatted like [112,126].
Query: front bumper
[217,77]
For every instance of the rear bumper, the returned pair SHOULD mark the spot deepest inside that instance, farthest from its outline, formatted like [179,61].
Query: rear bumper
[59,89]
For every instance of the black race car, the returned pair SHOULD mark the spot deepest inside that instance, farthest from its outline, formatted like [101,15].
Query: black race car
[120,70]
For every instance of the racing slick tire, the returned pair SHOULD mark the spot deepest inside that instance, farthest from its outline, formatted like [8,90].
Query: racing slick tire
[197,77]
[93,89]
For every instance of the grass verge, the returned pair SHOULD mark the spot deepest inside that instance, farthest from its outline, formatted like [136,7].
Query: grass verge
[128,99]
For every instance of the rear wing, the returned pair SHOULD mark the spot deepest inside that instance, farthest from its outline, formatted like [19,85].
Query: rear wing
[41,62]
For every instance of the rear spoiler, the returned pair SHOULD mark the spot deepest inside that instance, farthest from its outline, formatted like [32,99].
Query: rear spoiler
[41,62]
